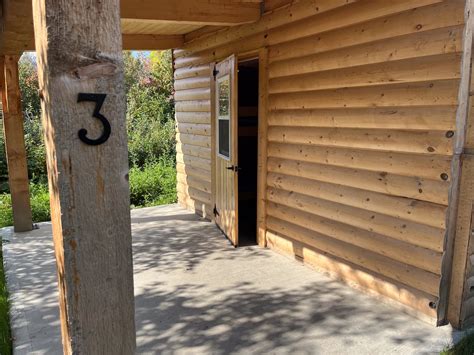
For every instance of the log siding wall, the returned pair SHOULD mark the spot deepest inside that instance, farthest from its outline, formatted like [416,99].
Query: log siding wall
[361,115]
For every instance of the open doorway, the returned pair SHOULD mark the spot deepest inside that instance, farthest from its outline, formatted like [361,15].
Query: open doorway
[247,150]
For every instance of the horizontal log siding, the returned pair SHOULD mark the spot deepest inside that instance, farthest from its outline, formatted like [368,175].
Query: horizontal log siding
[193,127]
[362,102]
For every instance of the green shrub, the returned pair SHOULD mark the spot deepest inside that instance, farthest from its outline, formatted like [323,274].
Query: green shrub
[6,213]
[39,199]
[40,202]
[150,108]
[152,185]
[155,184]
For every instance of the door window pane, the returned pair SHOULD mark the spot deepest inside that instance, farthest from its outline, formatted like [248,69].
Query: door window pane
[223,116]
[224,138]
[224,96]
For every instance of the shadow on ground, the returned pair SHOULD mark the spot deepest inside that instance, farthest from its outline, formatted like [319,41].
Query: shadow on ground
[194,293]
[32,282]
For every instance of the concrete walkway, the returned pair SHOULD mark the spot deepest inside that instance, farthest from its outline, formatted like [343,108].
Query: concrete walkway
[196,294]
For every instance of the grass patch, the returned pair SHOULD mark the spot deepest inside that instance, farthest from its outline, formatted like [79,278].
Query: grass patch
[464,347]
[5,332]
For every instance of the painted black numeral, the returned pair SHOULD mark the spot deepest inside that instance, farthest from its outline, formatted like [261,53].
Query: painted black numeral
[99,101]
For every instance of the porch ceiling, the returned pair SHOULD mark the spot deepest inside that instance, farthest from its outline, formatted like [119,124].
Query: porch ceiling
[146,24]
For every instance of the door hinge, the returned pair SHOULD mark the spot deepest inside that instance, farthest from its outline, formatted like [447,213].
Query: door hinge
[216,213]
[215,72]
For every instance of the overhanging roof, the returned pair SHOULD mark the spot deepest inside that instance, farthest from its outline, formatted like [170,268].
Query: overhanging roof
[146,24]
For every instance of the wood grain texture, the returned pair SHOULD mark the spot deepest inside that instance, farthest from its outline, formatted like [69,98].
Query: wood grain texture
[461,267]
[333,30]
[327,228]
[423,166]
[419,118]
[462,113]
[428,43]
[404,186]
[410,209]
[89,189]
[400,272]
[410,232]
[15,144]
[194,143]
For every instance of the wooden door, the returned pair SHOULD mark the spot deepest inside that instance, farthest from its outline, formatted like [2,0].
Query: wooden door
[226,183]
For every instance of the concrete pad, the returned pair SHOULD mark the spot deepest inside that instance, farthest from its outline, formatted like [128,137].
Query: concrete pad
[196,294]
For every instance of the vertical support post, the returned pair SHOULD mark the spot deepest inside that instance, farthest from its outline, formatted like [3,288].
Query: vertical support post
[262,147]
[459,154]
[80,69]
[15,143]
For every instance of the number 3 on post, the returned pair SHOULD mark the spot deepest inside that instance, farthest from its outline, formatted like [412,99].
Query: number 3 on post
[99,101]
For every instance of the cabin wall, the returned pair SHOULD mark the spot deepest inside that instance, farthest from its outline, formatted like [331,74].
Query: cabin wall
[362,100]
[193,149]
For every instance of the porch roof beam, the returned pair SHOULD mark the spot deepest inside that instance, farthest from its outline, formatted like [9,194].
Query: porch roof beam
[133,42]
[205,12]
[17,35]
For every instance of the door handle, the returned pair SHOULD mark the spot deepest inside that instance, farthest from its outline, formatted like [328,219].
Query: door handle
[234,168]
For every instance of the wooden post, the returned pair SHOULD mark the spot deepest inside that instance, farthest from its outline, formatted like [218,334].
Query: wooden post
[15,143]
[462,113]
[80,69]
[262,148]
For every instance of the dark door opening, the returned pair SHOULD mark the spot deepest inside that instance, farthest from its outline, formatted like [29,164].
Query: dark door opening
[248,150]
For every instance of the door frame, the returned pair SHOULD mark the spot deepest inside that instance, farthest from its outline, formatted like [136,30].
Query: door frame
[262,56]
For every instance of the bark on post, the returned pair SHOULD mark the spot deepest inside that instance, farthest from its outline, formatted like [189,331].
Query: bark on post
[15,143]
[79,50]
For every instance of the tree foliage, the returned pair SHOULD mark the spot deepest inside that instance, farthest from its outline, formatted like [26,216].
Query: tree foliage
[150,113]
[150,108]
[34,142]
